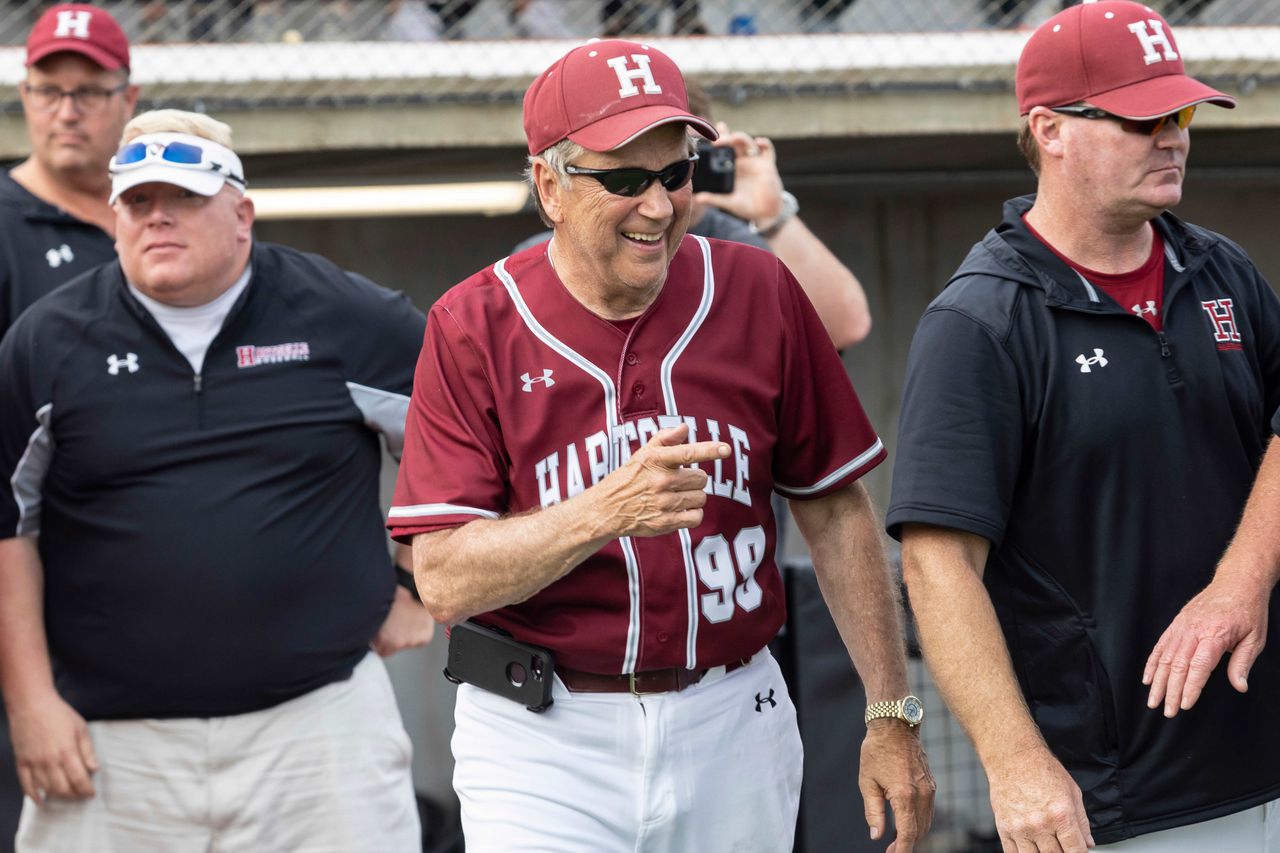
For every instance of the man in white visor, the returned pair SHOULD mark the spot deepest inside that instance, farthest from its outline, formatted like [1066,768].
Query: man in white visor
[194,578]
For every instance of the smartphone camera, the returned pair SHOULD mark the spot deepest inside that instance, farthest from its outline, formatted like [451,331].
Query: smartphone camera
[713,172]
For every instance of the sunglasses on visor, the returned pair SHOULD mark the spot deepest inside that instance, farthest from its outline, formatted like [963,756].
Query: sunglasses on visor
[183,154]
[1145,127]
[633,181]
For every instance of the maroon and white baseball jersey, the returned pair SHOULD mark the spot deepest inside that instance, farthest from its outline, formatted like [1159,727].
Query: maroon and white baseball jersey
[524,398]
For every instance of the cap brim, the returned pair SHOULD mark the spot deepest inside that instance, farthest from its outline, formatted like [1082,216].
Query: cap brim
[80,46]
[617,130]
[200,181]
[1159,96]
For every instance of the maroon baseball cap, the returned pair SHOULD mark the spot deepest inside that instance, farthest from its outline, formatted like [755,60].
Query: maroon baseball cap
[79,28]
[604,94]
[1119,56]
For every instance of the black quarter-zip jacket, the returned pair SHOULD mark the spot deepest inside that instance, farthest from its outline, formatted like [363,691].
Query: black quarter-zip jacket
[212,543]
[1107,464]
[41,248]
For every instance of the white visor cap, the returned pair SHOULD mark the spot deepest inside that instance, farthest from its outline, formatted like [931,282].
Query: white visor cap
[152,158]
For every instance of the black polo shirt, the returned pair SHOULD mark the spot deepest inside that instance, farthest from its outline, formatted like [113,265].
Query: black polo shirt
[1108,465]
[212,543]
[41,248]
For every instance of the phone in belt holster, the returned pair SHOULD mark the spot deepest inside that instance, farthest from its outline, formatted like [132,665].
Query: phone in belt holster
[495,661]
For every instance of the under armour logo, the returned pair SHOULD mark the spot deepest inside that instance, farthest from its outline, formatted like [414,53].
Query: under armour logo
[72,24]
[545,378]
[760,700]
[59,256]
[129,362]
[1150,309]
[627,76]
[1151,41]
[1086,364]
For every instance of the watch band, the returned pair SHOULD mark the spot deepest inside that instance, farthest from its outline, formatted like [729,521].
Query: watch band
[880,710]
[908,709]
[790,207]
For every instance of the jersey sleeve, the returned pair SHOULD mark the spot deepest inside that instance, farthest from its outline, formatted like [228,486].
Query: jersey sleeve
[26,436]
[825,441]
[379,370]
[960,434]
[453,470]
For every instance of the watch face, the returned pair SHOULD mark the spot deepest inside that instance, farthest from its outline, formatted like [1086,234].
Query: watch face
[912,710]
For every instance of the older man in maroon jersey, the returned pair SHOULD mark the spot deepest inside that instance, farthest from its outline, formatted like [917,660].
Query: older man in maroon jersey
[597,426]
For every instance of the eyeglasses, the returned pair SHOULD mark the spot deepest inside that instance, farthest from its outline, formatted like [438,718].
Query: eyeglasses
[1145,127]
[633,181]
[183,154]
[87,100]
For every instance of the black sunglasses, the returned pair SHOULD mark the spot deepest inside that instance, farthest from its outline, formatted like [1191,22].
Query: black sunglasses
[1145,127]
[633,181]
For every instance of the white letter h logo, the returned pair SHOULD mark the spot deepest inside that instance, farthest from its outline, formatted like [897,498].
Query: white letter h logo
[1149,41]
[628,76]
[73,24]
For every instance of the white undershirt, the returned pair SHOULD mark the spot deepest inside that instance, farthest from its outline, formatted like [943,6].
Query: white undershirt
[193,329]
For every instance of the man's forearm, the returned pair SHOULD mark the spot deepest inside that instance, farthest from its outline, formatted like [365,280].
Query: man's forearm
[962,642]
[25,671]
[487,564]
[1255,549]
[834,290]
[848,558]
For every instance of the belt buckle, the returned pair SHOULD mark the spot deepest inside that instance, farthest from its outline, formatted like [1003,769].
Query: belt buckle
[635,691]
[631,685]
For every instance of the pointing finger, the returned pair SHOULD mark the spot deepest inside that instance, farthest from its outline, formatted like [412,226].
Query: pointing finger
[689,454]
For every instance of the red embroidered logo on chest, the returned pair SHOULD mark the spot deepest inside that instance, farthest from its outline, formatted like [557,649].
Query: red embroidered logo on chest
[252,356]
[1222,315]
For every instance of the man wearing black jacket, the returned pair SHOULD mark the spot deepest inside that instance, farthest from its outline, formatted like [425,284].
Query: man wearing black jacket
[192,563]
[55,222]
[1086,408]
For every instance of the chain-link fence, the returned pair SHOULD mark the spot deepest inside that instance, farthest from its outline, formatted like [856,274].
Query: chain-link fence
[167,21]
[314,51]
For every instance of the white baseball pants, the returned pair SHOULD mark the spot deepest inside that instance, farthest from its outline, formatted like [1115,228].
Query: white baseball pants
[713,768]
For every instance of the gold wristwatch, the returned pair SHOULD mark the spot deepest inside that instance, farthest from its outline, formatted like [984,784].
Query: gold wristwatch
[909,709]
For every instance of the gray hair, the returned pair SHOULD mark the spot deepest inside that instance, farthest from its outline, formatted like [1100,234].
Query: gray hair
[556,158]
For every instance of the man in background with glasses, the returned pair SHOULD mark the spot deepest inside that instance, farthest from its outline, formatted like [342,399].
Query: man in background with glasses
[55,222]
[597,426]
[1086,407]
[193,566]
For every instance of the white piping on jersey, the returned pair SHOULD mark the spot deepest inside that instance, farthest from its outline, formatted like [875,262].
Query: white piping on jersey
[669,398]
[383,411]
[862,459]
[1093,294]
[27,481]
[1173,257]
[428,510]
[611,418]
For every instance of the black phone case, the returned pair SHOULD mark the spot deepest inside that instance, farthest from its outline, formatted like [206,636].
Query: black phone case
[715,169]
[494,661]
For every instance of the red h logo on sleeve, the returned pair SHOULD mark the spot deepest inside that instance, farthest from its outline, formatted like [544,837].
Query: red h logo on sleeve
[1223,317]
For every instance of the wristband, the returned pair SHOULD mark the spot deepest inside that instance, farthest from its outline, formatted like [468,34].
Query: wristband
[404,578]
